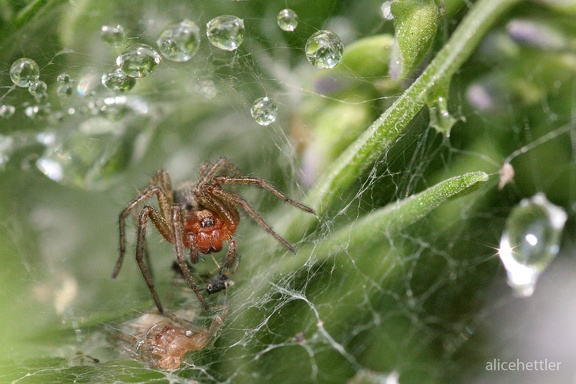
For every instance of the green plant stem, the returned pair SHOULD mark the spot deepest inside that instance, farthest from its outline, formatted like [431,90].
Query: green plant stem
[395,217]
[373,142]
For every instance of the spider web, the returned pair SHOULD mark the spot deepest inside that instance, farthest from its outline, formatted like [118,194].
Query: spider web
[427,304]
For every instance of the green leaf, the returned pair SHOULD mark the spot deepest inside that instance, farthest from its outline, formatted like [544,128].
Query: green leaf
[396,216]
[416,22]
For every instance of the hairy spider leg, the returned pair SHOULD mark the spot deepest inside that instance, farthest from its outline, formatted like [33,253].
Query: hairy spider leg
[178,231]
[160,186]
[208,171]
[151,213]
[208,201]
[252,181]
[253,214]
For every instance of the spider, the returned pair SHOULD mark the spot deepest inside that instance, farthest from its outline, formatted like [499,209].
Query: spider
[199,217]
[162,341]
[165,343]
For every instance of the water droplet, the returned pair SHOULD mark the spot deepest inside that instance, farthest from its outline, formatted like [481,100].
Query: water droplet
[118,81]
[440,117]
[87,84]
[64,78]
[6,148]
[114,36]
[39,90]
[208,89]
[324,49]
[64,90]
[530,241]
[7,111]
[225,32]
[179,41]
[24,71]
[138,60]
[37,112]
[287,20]
[91,151]
[50,168]
[120,106]
[264,111]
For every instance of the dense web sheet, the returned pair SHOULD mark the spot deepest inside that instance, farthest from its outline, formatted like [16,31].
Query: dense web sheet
[412,297]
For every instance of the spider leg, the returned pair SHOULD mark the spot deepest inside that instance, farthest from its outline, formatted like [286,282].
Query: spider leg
[164,197]
[147,261]
[146,213]
[179,246]
[244,180]
[194,254]
[227,196]
[231,255]
[208,171]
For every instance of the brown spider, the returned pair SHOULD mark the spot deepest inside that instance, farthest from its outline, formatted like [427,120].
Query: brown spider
[200,217]
[162,341]
[165,343]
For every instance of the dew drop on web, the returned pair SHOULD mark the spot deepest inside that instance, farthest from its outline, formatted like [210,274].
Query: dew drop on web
[179,41]
[39,90]
[324,49]
[287,20]
[226,32]
[64,78]
[113,35]
[64,90]
[530,241]
[264,111]
[118,81]
[24,72]
[7,111]
[138,60]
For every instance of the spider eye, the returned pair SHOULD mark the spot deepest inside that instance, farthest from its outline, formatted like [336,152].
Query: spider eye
[207,222]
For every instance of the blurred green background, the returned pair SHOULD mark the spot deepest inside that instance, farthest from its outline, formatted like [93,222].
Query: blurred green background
[428,304]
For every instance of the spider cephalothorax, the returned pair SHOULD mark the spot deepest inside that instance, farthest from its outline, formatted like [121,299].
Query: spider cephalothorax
[200,217]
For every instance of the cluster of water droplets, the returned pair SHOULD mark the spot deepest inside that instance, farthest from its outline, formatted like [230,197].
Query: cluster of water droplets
[530,241]
[87,131]
[88,138]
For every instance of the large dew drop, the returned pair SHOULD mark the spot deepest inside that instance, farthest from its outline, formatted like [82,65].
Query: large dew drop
[138,60]
[287,20]
[179,41]
[530,242]
[324,49]
[226,32]
[264,111]
[24,72]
